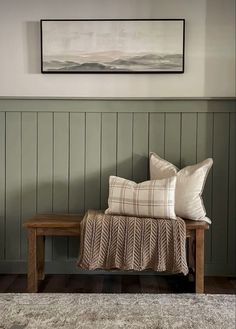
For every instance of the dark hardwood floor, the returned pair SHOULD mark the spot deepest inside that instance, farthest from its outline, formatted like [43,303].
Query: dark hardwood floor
[117,284]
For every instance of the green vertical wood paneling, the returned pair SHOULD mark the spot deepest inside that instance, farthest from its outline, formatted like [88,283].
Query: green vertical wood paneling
[60,177]
[93,161]
[45,170]
[76,172]
[204,151]
[232,195]
[125,145]
[108,153]
[77,162]
[157,133]
[62,162]
[173,137]
[188,139]
[29,173]
[220,187]
[140,147]
[13,185]
[2,184]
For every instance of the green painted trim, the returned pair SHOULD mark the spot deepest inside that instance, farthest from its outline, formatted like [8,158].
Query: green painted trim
[117,98]
[69,267]
[118,105]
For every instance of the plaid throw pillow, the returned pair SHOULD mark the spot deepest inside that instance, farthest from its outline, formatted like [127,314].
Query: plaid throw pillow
[154,199]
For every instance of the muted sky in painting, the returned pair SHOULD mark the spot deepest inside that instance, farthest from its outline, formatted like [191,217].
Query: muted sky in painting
[76,37]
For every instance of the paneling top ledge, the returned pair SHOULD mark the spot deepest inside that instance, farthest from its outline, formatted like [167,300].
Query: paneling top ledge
[133,104]
[113,98]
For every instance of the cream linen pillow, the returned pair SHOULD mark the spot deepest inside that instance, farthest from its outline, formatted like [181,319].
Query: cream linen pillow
[189,186]
[154,199]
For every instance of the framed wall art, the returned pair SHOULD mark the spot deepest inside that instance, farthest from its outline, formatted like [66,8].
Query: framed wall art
[112,46]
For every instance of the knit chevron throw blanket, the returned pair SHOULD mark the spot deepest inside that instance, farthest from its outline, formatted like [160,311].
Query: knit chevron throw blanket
[112,242]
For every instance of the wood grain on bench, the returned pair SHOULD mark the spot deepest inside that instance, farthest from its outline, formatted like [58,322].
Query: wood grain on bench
[42,225]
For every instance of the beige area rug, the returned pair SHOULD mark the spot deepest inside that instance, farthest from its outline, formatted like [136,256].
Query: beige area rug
[95,311]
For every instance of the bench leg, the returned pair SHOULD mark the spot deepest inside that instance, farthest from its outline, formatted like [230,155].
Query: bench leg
[199,278]
[191,257]
[32,261]
[40,256]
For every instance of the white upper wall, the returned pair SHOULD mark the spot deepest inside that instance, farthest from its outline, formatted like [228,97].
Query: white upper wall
[209,52]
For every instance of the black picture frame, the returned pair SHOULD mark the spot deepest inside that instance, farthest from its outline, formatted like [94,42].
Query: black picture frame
[112,46]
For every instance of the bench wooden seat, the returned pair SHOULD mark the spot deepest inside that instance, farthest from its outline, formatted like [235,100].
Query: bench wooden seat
[42,225]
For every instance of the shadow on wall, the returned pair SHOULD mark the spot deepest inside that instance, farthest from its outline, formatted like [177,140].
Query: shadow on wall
[219,78]
[79,195]
[59,195]
[33,47]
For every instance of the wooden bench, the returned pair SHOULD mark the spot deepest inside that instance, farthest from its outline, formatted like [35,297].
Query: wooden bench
[42,225]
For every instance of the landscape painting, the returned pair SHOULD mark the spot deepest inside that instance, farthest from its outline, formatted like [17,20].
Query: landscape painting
[112,46]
